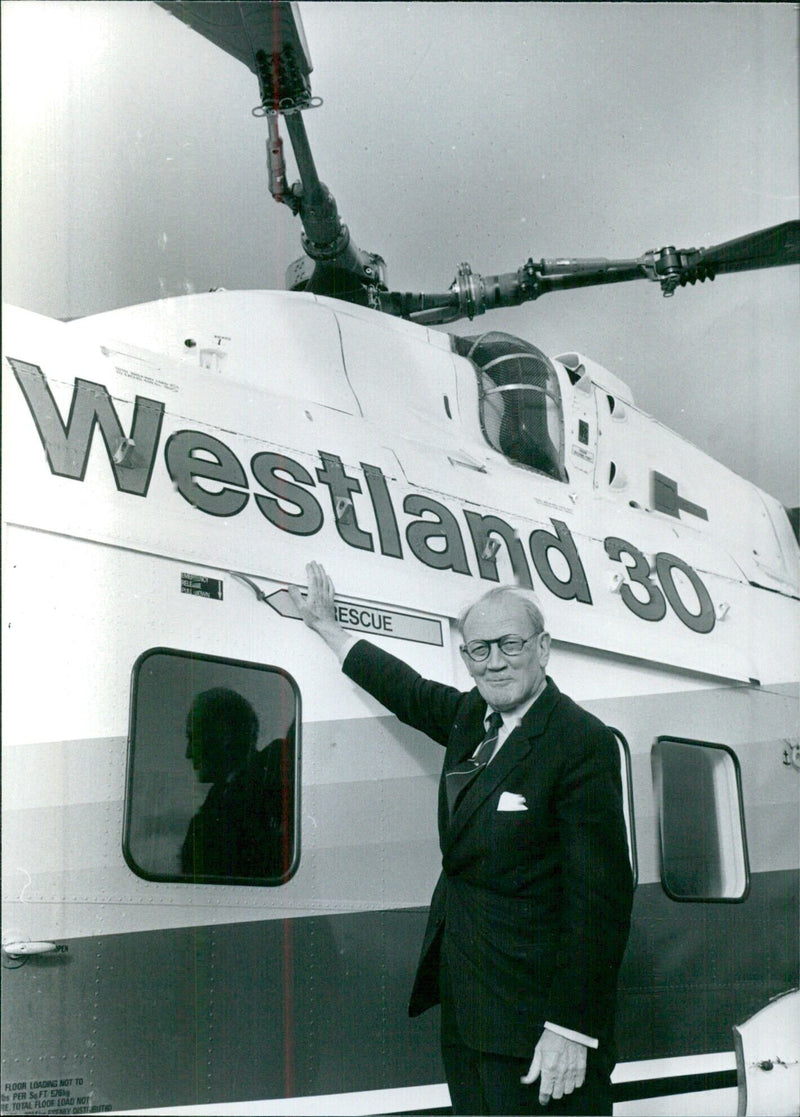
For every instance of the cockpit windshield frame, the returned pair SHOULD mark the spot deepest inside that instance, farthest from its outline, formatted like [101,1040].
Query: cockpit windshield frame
[527,433]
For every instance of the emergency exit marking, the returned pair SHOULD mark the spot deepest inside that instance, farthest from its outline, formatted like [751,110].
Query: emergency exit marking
[370,619]
[201,587]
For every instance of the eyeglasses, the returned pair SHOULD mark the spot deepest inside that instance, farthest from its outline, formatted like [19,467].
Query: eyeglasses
[478,650]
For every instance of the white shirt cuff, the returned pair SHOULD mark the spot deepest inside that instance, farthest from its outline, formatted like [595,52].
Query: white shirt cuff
[345,648]
[568,1033]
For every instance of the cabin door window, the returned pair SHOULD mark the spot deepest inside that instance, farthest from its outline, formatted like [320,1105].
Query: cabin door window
[213,771]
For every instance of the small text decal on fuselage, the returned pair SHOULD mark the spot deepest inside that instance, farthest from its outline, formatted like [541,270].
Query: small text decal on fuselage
[200,586]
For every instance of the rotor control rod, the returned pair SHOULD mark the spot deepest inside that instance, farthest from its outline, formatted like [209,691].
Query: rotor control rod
[276,167]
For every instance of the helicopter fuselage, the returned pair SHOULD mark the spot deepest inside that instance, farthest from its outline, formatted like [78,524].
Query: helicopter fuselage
[165,461]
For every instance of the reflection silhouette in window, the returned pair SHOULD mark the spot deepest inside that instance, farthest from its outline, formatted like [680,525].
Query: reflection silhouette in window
[238,829]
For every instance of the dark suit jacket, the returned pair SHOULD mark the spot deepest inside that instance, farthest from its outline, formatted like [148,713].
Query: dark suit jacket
[533,906]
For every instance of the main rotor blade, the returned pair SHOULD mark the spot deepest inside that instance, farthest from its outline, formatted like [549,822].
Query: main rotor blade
[266,35]
[768,248]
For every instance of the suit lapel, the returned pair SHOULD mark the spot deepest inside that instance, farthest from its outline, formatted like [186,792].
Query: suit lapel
[465,736]
[513,751]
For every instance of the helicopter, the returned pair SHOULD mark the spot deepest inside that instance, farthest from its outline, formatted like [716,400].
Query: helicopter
[175,463]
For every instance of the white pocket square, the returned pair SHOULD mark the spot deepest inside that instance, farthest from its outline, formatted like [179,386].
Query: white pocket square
[510,801]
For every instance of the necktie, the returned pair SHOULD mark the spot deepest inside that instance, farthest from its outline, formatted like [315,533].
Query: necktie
[457,781]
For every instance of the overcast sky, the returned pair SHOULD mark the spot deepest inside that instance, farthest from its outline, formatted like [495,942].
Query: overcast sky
[484,132]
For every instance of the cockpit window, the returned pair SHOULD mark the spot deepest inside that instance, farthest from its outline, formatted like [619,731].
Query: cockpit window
[520,400]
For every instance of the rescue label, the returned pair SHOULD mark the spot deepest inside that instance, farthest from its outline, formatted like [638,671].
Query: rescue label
[381,622]
[370,619]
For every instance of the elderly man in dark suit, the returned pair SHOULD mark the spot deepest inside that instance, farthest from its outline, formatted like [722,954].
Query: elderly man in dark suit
[529,919]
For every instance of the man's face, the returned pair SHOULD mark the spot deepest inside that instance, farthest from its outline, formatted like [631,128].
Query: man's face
[506,681]
[206,756]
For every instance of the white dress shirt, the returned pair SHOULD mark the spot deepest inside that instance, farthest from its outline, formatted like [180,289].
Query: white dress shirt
[511,719]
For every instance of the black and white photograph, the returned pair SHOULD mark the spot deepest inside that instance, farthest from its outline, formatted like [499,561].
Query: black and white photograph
[401,578]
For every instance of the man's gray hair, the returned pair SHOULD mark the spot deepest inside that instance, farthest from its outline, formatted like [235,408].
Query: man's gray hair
[527,598]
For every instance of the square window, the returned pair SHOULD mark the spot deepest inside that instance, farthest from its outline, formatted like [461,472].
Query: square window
[701,820]
[213,783]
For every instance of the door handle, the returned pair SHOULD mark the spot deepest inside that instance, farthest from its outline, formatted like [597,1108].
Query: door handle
[26,949]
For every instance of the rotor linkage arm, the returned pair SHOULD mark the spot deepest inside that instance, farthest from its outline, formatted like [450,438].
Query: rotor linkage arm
[471,294]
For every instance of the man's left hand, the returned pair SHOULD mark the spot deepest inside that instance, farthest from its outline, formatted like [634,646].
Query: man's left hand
[560,1065]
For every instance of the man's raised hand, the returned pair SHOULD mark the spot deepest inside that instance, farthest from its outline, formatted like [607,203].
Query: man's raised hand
[317,608]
